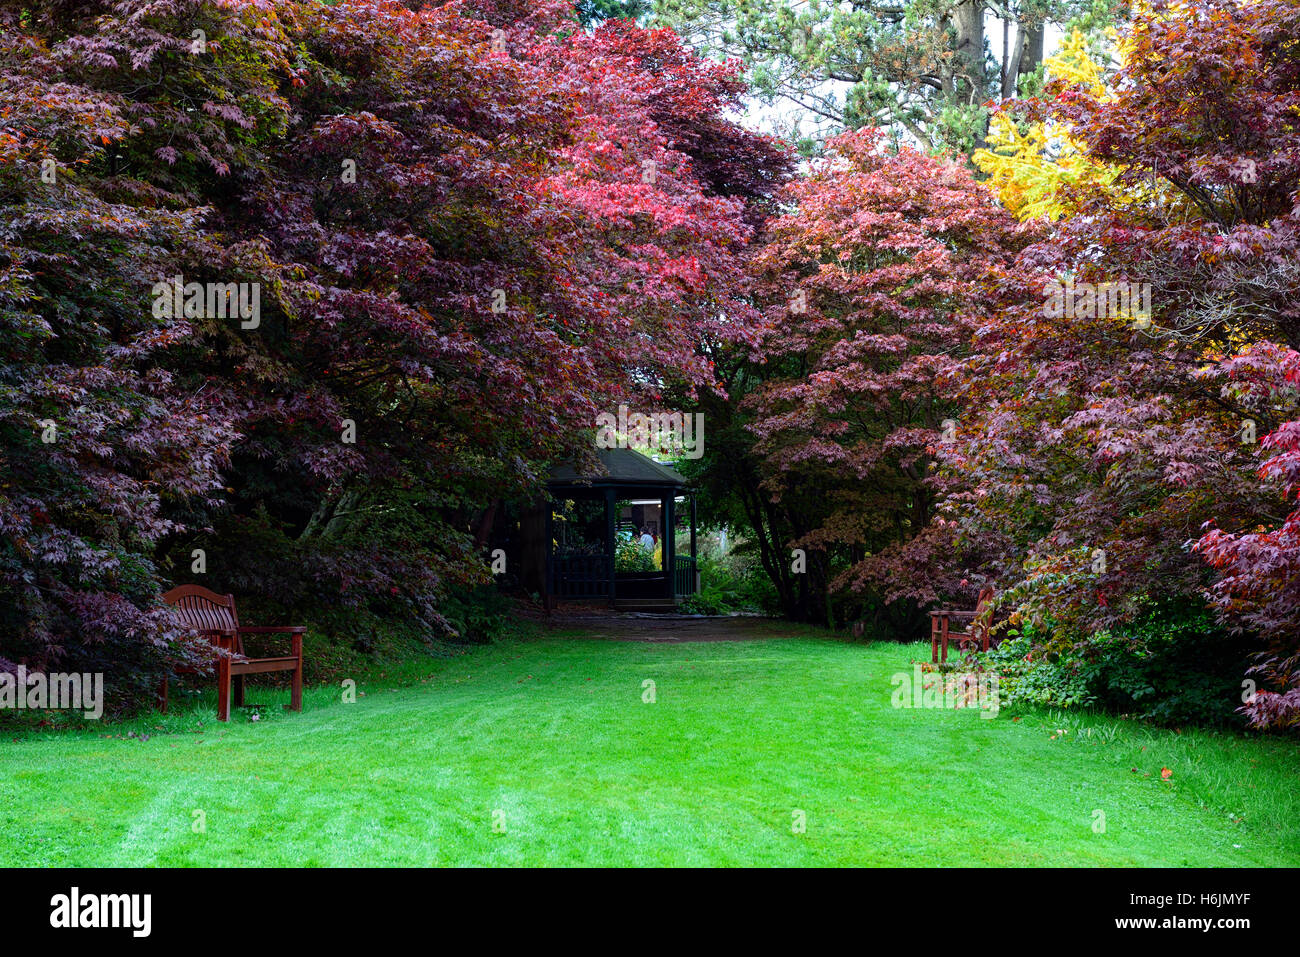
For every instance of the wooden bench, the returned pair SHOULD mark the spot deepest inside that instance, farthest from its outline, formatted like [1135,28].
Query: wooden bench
[214,616]
[977,626]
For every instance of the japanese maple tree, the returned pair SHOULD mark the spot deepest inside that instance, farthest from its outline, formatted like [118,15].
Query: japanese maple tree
[876,281]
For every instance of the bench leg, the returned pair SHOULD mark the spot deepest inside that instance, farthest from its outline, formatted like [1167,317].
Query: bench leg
[238,684]
[223,688]
[162,696]
[295,695]
[944,639]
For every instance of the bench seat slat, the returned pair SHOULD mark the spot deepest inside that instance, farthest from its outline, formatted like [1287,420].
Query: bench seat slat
[256,666]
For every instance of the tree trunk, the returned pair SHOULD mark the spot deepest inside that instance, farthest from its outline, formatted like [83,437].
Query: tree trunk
[968,21]
[970,80]
[485,523]
[1026,55]
[533,546]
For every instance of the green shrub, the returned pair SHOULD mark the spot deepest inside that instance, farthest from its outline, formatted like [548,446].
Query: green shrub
[1174,667]
[629,556]
[479,615]
[726,587]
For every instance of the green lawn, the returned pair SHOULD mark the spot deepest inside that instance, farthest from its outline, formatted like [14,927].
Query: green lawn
[551,740]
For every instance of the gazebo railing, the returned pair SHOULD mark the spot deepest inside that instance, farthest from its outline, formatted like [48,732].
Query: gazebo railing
[580,576]
[683,575]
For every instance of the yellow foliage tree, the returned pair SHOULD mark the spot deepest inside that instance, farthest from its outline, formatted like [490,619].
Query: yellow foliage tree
[1036,173]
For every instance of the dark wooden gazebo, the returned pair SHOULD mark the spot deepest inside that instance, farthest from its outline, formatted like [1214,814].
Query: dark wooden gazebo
[593,514]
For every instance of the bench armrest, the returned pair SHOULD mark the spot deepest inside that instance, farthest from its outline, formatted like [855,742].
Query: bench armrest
[273,630]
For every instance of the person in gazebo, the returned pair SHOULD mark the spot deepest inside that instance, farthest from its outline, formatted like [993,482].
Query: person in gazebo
[647,540]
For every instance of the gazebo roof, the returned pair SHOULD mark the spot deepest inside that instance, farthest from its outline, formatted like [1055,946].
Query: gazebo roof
[625,467]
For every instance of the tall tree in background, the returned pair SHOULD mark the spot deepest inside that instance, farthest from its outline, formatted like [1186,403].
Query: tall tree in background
[922,70]
[595,12]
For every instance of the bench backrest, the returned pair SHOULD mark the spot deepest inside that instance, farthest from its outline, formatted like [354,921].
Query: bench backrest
[202,609]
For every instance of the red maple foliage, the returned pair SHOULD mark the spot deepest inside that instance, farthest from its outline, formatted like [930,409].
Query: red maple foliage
[878,278]
[459,259]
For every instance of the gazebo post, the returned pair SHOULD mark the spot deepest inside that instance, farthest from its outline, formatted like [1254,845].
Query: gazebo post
[548,574]
[611,503]
[695,564]
[669,546]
